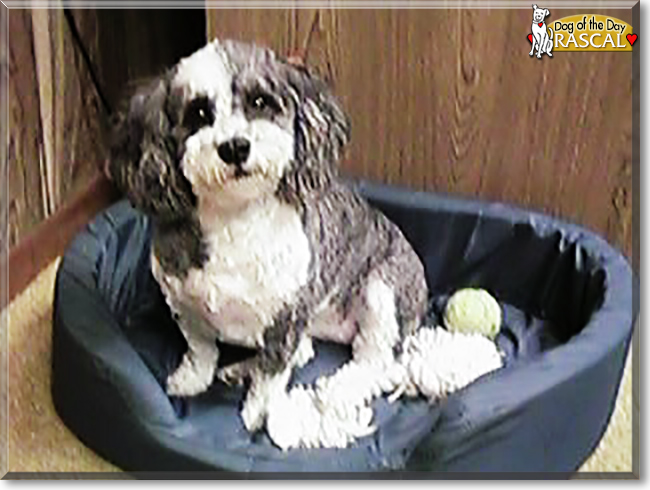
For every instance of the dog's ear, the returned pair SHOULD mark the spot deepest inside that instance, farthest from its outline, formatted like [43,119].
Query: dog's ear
[547,13]
[143,154]
[321,128]
[534,7]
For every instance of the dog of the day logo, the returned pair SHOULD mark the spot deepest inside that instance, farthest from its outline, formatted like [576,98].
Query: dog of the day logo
[589,32]
[542,36]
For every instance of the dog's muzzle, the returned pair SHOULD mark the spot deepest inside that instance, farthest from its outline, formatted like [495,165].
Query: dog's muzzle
[234,151]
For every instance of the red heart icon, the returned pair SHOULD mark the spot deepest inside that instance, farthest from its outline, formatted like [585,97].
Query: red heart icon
[540,24]
[530,38]
[631,38]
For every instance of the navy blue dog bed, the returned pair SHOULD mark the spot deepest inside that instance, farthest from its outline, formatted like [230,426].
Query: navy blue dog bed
[568,303]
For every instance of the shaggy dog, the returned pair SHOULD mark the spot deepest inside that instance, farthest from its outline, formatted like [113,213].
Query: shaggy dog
[233,154]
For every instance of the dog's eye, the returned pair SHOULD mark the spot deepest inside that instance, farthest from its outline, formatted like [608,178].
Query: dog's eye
[261,102]
[198,114]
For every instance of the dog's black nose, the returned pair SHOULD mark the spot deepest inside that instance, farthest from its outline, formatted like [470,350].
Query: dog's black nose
[234,151]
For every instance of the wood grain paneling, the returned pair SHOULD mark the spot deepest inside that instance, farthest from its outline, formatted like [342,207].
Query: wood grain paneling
[449,100]
[56,116]
[26,203]
[58,110]
[4,129]
[54,142]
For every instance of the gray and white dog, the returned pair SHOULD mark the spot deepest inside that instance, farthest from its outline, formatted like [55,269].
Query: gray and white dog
[233,155]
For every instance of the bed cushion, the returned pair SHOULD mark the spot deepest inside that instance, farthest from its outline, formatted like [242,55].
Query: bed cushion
[567,298]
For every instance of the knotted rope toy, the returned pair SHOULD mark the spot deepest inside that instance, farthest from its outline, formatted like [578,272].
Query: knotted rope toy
[435,362]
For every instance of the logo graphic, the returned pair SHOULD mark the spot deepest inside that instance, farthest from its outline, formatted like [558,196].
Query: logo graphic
[579,33]
[542,36]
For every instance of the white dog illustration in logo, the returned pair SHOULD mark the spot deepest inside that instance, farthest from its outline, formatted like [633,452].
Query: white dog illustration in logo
[542,35]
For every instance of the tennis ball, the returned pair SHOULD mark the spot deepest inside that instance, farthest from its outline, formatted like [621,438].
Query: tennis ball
[473,310]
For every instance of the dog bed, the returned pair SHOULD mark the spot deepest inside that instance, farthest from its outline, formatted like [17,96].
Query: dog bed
[567,298]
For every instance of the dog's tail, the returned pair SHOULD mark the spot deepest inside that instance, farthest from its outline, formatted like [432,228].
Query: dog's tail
[551,44]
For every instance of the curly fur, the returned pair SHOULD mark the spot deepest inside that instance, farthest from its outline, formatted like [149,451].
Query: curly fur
[272,248]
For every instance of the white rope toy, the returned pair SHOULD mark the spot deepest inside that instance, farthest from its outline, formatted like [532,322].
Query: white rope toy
[336,411]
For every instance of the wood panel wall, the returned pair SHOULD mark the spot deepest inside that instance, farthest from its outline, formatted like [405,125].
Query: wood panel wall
[449,100]
[67,72]
[53,124]
[57,119]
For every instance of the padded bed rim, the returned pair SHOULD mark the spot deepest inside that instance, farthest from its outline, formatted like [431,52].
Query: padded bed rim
[609,328]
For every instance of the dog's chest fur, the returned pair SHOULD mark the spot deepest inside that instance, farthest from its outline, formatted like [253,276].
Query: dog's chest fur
[257,262]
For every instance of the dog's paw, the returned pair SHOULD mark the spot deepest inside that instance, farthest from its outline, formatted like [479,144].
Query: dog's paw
[264,389]
[254,413]
[191,378]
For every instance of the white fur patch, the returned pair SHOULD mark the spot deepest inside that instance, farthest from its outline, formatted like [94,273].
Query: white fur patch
[328,323]
[337,410]
[195,373]
[370,325]
[258,260]
[378,327]
[208,73]
[271,153]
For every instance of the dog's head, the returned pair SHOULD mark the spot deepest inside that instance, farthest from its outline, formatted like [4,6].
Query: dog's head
[229,124]
[539,14]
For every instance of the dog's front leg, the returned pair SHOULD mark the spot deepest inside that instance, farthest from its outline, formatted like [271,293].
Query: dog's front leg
[196,371]
[532,49]
[285,347]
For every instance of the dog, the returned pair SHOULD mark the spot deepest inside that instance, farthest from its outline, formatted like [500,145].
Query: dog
[542,35]
[256,241]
